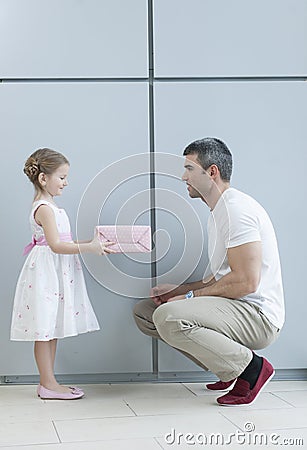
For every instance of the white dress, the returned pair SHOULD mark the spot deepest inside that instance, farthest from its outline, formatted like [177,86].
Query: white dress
[51,300]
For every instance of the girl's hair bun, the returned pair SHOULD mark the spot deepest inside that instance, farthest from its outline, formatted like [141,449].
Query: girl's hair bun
[31,168]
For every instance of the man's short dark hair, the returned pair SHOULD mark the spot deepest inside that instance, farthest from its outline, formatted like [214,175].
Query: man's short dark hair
[212,151]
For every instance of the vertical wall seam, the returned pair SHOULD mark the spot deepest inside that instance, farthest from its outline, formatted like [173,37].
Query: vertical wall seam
[152,181]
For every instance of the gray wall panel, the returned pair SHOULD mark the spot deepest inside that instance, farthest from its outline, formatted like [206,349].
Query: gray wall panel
[230,38]
[95,125]
[263,124]
[98,125]
[73,38]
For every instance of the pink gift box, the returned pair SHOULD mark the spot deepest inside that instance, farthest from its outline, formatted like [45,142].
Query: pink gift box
[127,238]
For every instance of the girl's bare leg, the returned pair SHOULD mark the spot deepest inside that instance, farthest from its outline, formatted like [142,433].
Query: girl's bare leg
[54,343]
[44,352]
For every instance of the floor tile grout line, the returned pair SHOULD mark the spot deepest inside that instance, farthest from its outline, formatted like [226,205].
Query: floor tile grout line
[286,429]
[253,410]
[230,421]
[126,402]
[97,418]
[280,398]
[287,390]
[190,390]
[56,431]
[54,420]
[155,439]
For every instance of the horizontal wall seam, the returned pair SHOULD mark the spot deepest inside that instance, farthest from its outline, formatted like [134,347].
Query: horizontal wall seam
[143,377]
[153,79]
[74,80]
[229,79]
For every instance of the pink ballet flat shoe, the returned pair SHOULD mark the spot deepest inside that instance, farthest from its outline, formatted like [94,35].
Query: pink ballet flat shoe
[74,388]
[46,394]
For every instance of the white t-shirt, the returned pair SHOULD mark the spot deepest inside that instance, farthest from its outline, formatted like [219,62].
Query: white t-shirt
[238,219]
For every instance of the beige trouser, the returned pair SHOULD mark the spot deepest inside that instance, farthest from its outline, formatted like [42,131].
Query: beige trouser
[216,333]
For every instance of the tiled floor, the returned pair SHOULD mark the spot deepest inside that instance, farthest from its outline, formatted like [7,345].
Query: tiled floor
[153,416]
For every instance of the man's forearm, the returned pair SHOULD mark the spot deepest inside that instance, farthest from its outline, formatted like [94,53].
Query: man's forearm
[231,285]
[195,285]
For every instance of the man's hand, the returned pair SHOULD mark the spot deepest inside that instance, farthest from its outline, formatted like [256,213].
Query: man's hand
[163,292]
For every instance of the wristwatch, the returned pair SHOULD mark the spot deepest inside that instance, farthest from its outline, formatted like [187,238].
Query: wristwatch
[189,294]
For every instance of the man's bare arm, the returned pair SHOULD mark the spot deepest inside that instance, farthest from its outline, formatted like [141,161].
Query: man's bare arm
[244,277]
[196,285]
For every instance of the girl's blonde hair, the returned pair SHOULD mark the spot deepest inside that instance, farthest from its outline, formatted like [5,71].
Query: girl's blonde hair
[44,161]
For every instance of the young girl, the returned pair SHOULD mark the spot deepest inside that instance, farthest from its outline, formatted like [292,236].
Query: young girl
[51,300]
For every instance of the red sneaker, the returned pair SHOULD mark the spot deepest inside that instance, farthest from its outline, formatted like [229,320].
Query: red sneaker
[220,385]
[241,394]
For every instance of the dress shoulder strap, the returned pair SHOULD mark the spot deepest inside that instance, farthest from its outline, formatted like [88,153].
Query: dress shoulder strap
[38,203]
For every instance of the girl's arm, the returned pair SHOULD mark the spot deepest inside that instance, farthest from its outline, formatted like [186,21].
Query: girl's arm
[44,216]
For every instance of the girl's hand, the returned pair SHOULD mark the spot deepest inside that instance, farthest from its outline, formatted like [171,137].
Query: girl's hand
[100,248]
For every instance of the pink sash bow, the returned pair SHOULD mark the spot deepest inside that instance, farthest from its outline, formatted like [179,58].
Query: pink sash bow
[65,237]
